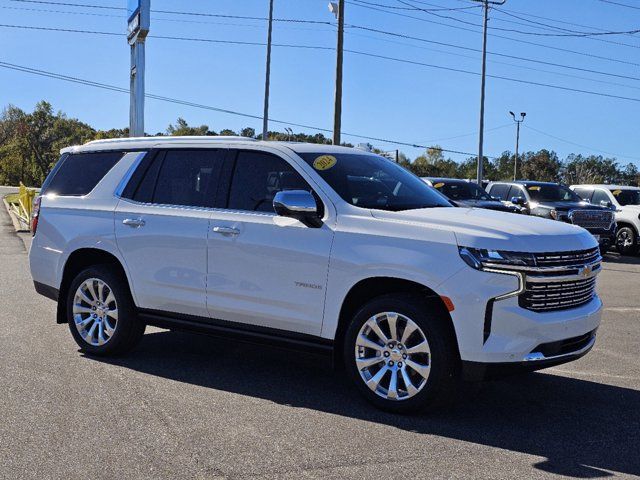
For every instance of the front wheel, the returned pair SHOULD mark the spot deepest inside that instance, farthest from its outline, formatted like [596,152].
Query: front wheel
[626,241]
[400,354]
[100,312]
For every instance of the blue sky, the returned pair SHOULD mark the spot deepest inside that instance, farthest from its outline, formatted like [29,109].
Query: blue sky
[382,98]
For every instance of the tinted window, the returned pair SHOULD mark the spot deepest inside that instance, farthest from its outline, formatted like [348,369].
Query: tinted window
[146,187]
[516,192]
[552,193]
[78,174]
[583,193]
[462,190]
[499,191]
[600,196]
[187,177]
[372,181]
[627,197]
[257,177]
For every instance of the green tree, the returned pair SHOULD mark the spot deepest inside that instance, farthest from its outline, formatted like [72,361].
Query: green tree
[543,166]
[432,163]
[182,128]
[591,169]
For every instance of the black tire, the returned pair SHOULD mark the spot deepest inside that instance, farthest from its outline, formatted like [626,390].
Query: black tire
[128,328]
[442,380]
[626,241]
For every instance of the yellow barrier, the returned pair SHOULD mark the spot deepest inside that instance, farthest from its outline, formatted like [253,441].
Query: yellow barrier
[25,200]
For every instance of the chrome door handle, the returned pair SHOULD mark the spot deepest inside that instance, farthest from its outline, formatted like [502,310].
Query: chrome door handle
[133,222]
[230,231]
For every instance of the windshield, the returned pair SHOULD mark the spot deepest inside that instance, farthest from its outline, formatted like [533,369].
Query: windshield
[552,193]
[627,197]
[371,181]
[461,190]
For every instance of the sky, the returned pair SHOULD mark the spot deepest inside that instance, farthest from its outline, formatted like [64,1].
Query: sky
[423,92]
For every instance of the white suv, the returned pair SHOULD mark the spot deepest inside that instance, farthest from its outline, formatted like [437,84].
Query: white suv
[626,201]
[313,246]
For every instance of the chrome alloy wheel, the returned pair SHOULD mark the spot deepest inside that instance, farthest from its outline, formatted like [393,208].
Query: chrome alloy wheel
[393,356]
[95,311]
[625,239]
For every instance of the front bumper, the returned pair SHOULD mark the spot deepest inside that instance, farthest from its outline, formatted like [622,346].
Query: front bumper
[499,331]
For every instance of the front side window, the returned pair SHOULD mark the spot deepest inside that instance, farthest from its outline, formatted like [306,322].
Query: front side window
[78,174]
[552,193]
[600,198]
[500,191]
[627,197]
[372,181]
[516,192]
[184,177]
[257,177]
[584,193]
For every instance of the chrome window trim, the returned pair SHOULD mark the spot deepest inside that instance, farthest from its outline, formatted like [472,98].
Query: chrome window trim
[127,176]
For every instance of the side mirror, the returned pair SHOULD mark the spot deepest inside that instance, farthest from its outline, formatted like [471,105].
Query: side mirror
[298,204]
[605,203]
[518,201]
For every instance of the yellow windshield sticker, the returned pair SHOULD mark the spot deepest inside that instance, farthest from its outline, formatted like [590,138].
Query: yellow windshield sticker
[324,162]
[617,192]
[534,188]
[439,185]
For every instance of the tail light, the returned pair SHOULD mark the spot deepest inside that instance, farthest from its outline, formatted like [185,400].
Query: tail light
[35,214]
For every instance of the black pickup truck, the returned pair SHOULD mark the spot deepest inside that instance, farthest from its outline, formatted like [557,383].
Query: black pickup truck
[557,202]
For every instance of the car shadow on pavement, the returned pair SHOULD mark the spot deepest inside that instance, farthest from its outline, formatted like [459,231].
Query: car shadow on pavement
[581,428]
[613,257]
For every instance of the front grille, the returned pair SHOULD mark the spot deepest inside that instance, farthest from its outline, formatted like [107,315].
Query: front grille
[549,296]
[562,347]
[592,218]
[567,259]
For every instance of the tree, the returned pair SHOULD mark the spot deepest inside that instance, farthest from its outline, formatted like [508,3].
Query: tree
[182,128]
[433,164]
[543,166]
[248,132]
[592,169]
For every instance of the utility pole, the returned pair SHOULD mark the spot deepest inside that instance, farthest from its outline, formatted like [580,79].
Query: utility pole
[138,28]
[337,8]
[267,81]
[485,4]
[518,122]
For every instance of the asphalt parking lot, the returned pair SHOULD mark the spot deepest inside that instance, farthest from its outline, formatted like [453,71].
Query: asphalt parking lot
[186,406]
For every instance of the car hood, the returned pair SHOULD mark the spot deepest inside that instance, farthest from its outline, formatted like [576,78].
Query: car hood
[482,228]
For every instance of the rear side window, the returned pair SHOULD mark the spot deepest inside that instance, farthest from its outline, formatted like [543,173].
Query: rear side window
[257,177]
[499,191]
[186,177]
[79,173]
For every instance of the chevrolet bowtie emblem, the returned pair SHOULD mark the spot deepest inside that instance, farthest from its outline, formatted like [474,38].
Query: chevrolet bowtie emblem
[586,271]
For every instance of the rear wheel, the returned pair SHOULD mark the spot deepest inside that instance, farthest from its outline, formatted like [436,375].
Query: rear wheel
[101,314]
[400,355]
[626,241]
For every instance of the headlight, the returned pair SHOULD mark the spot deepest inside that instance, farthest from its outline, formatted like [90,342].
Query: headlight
[480,258]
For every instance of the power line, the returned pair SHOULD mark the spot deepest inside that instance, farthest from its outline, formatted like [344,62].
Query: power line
[578,144]
[355,52]
[620,4]
[114,88]
[537,34]
[518,40]
[439,9]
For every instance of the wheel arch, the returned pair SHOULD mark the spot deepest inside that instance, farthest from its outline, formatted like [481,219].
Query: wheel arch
[77,261]
[626,223]
[370,288]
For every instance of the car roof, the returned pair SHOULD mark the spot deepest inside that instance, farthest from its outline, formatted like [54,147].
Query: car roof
[145,143]
[606,186]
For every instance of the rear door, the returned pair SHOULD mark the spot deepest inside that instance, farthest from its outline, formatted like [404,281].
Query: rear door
[161,228]
[264,269]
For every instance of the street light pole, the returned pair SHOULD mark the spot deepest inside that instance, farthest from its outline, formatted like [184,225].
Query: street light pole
[485,4]
[267,80]
[518,122]
[337,8]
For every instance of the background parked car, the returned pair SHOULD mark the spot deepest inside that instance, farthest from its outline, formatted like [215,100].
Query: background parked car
[558,202]
[465,193]
[626,201]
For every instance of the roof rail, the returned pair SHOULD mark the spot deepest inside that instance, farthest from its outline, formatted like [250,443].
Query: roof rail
[171,139]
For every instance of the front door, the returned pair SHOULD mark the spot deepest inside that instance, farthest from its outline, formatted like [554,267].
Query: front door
[264,269]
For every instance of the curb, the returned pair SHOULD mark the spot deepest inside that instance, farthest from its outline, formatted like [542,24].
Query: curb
[16,223]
